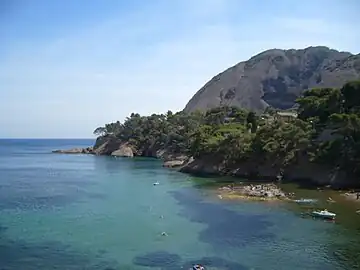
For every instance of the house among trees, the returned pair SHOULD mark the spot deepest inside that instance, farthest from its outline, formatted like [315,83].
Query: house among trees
[286,116]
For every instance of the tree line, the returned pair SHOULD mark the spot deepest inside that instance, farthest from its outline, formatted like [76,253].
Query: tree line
[327,131]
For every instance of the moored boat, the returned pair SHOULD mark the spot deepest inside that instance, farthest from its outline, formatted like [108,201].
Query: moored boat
[324,214]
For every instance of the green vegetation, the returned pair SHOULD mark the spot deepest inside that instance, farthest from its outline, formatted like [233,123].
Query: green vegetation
[326,131]
[335,112]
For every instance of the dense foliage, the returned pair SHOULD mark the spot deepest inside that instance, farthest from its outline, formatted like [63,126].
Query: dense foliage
[327,130]
[335,112]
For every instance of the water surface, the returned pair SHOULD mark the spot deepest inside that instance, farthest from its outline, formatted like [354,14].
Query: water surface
[86,212]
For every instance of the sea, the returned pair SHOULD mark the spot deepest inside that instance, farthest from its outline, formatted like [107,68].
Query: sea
[75,212]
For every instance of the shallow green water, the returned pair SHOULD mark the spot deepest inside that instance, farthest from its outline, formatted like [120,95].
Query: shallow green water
[86,212]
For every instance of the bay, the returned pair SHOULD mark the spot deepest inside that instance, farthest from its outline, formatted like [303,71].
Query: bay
[87,212]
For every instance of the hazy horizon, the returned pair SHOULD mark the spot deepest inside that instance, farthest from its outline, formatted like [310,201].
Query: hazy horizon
[68,67]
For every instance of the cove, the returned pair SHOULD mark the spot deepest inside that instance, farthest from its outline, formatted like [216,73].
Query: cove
[87,212]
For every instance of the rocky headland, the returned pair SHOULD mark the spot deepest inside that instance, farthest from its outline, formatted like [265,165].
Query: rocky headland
[309,135]
[253,169]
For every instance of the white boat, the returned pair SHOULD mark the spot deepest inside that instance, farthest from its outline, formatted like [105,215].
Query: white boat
[156,183]
[198,267]
[324,214]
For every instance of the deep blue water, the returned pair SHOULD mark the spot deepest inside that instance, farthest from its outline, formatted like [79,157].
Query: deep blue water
[85,212]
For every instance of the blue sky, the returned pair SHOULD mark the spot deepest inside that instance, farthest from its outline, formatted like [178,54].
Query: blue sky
[68,66]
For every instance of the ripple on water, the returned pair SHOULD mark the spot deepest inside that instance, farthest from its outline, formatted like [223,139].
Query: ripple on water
[37,191]
[21,255]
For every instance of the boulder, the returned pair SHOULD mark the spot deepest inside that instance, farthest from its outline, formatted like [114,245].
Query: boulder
[123,151]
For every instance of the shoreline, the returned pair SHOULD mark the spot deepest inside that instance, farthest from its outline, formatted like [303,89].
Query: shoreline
[184,164]
[351,196]
[255,190]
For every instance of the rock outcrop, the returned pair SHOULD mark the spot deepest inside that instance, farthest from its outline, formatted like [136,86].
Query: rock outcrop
[107,145]
[88,150]
[174,161]
[249,192]
[303,171]
[276,77]
[123,151]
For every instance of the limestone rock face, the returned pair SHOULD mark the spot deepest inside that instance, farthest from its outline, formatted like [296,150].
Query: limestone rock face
[107,146]
[123,151]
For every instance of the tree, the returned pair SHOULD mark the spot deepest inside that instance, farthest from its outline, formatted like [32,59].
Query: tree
[252,121]
[319,103]
[351,97]
[100,131]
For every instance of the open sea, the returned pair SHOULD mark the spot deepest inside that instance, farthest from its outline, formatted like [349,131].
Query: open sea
[73,212]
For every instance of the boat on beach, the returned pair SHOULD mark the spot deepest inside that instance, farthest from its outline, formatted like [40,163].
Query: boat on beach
[325,214]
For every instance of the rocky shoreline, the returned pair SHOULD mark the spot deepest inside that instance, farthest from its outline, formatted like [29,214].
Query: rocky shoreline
[303,171]
[88,150]
[263,192]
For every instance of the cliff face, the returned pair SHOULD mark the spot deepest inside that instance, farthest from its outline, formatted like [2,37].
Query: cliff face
[276,77]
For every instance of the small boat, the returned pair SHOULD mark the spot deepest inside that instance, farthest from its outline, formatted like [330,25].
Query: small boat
[156,183]
[305,200]
[324,214]
[198,267]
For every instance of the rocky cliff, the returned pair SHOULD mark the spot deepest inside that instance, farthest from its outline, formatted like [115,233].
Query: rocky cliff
[276,77]
[301,172]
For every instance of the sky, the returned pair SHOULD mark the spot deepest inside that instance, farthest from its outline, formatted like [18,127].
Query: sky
[67,67]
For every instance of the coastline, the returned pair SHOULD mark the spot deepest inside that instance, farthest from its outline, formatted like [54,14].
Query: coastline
[303,172]
[239,190]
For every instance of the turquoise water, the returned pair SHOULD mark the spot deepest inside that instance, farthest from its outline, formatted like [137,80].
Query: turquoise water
[86,212]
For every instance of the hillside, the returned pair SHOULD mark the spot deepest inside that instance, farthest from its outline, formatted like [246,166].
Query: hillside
[320,143]
[276,78]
